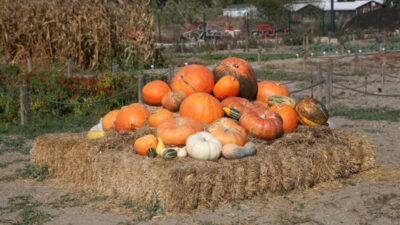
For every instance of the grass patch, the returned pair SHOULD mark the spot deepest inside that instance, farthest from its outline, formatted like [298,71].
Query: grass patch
[282,76]
[393,40]
[149,211]
[4,165]
[30,172]
[11,144]
[66,201]
[347,182]
[366,114]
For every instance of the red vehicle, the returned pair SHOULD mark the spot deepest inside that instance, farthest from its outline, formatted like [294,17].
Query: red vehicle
[266,31]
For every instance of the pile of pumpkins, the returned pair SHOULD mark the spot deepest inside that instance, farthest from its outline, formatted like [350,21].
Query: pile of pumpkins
[202,96]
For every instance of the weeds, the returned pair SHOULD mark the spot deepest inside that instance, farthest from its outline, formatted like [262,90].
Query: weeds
[18,144]
[366,114]
[4,165]
[66,201]
[38,173]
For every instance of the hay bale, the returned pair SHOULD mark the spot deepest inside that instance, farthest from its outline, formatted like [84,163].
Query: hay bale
[296,161]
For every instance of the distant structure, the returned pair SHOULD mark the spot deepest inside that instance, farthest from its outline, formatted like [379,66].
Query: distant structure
[344,9]
[239,10]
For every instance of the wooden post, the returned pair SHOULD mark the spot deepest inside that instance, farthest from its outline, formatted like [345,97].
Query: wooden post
[276,39]
[171,72]
[140,88]
[328,95]
[69,71]
[259,54]
[382,73]
[5,63]
[215,44]
[356,59]
[312,88]
[195,52]
[307,42]
[30,65]
[229,50]
[365,84]
[24,103]
[319,79]
[247,44]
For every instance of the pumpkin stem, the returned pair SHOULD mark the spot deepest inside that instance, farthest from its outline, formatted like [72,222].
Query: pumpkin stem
[235,65]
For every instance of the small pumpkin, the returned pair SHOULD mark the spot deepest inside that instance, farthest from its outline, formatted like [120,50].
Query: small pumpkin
[160,146]
[143,144]
[158,116]
[227,86]
[175,131]
[193,78]
[182,152]
[169,153]
[201,107]
[131,117]
[242,71]
[154,91]
[288,115]
[172,100]
[152,153]
[204,146]
[234,151]
[262,123]
[238,103]
[269,88]
[277,99]
[109,119]
[232,113]
[228,131]
[311,112]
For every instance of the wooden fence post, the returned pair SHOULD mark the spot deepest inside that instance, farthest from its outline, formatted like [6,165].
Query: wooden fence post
[247,44]
[5,63]
[356,59]
[229,50]
[312,88]
[30,65]
[171,72]
[69,71]
[365,84]
[328,96]
[140,88]
[259,54]
[276,39]
[319,80]
[23,96]
[382,72]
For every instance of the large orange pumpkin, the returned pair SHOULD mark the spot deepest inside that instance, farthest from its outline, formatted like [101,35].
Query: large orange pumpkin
[288,115]
[262,123]
[130,117]
[193,78]
[202,107]
[154,91]
[227,86]
[172,100]
[109,119]
[143,144]
[242,71]
[158,116]
[268,88]
[175,131]
[228,131]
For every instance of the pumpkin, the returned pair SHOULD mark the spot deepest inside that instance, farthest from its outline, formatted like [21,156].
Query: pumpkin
[193,78]
[173,100]
[261,104]
[232,113]
[269,88]
[311,112]
[158,116]
[288,115]
[228,131]
[204,146]
[109,119]
[277,99]
[151,153]
[160,146]
[262,123]
[154,91]
[202,107]
[242,71]
[131,117]
[227,86]
[234,151]
[169,153]
[175,131]
[143,144]
[238,103]
[182,152]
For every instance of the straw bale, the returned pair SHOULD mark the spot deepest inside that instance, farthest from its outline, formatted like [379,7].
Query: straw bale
[298,160]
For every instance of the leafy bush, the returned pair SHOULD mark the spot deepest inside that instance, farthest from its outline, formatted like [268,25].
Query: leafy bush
[293,39]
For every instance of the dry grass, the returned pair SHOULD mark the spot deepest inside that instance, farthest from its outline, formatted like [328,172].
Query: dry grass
[91,32]
[109,166]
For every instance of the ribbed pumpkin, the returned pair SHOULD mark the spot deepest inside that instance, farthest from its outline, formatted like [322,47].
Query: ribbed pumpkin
[288,115]
[311,112]
[109,119]
[237,103]
[154,91]
[143,144]
[172,100]
[261,104]
[193,78]
[227,86]
[131,117]
[228,131]
[158,116]
[277,99]
[202,107]
[262,123]
[270,87]
[242,71]
[175,131]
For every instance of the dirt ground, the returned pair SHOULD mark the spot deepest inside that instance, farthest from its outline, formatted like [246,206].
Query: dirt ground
[372,197]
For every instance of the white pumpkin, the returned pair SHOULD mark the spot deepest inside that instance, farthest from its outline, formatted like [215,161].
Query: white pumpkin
[203,145]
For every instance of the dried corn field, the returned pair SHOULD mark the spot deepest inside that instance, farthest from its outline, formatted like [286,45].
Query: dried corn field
[91,32]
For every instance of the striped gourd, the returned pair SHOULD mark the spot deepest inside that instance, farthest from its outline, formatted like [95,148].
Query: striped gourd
[232,113]
[311,112]
[151,153]
[169,153]
[277,99]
